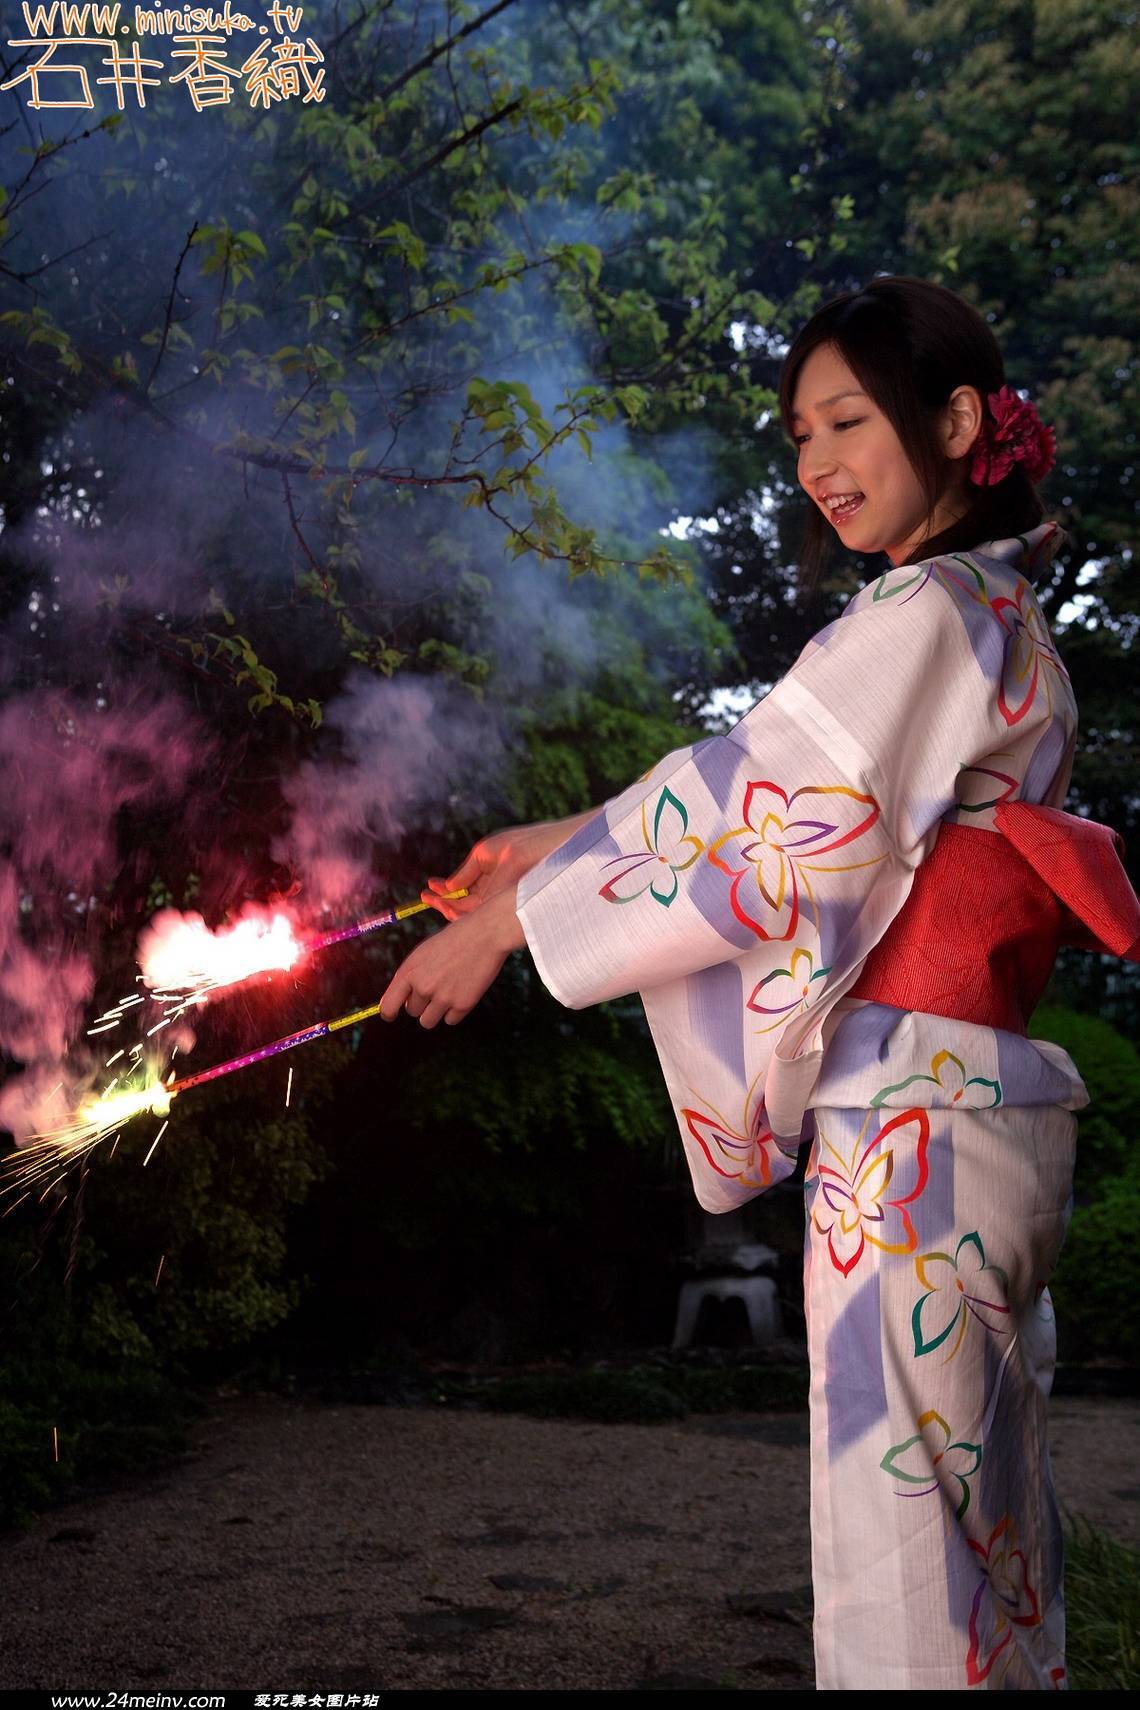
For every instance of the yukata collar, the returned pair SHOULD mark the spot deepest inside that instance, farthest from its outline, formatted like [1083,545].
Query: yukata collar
[1030,553]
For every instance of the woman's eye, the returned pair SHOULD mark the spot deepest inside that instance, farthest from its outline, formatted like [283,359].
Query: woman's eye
[799,440]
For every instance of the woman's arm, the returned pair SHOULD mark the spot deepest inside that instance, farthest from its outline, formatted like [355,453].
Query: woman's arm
[551,834]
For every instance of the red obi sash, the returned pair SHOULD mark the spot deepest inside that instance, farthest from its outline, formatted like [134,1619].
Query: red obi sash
[979,932]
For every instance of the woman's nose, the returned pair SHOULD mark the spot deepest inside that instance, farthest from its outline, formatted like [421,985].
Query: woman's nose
[813,468]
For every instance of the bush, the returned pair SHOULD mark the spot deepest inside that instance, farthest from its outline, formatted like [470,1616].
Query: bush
[103,1422]
[1109,1065]
[125,1286]
[1096,1286]
[640,1395]
[1096,1283]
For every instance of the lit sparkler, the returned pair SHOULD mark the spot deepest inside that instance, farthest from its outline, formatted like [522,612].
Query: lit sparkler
[95,1120]
[98,1117]
[183,962]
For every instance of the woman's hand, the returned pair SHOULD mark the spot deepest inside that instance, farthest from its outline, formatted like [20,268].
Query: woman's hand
[445,976]
[494,865]
[497,863]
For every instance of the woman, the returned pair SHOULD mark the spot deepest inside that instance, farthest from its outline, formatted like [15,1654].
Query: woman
[839,916]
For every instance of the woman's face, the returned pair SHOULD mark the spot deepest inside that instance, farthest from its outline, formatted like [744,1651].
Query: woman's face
[847,445]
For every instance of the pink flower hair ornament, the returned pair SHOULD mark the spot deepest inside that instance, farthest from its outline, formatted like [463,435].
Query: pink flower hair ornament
[1011,433]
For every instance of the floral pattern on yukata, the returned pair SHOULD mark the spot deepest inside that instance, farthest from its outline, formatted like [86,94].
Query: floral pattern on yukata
[930,1462]
[958,1289]
[1029,660]
[1005,1599]
[667,844]
[957,575]
[771,856]
[860,1208]
[948,1072]
[741,1156]
[974,787]
[787,991]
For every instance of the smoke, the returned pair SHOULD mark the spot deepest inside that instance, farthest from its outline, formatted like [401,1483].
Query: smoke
[141,531]
[411,751]
[70,767]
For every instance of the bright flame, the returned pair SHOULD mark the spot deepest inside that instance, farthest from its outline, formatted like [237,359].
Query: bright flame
[96,1118]
[182,960]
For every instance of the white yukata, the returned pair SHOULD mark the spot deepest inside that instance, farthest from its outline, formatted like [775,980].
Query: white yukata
[738,888]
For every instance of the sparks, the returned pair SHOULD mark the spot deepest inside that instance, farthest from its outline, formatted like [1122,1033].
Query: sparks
[155,1142]
[96,1118]
[183,962]
[265,948]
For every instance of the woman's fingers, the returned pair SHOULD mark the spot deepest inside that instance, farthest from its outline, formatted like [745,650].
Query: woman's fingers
[465,874]
[450,910]
[436,895]
[445,976]
[429,1012]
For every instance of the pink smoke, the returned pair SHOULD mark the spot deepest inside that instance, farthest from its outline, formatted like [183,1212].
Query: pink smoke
[69,767]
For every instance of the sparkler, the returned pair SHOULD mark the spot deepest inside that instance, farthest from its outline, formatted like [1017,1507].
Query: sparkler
[95,1119]
[98,1117]
[317,1031]
[184,965]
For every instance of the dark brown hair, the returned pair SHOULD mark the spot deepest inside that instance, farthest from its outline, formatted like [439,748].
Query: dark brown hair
[909,344]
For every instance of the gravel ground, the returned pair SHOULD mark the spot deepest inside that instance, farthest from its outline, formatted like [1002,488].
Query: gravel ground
[352,1548]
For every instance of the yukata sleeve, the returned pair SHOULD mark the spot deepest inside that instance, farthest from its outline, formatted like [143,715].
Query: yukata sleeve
[840,774]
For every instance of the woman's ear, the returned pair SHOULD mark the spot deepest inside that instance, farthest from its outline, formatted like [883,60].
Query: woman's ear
[962,420]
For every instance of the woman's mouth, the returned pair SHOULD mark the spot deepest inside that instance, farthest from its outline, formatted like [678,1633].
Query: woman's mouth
[844,512]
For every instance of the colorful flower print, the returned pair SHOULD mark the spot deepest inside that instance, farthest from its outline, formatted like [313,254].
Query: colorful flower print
[980,781]
[956,574]
[741,1157]
[1004,1599]
[949,1073]
[854,1190]
[770,857]
[665,844]
[788,991]
[1030,660]
[958,1289]
[929,1460]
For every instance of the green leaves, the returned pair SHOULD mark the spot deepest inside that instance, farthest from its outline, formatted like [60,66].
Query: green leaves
[36,326]
[238,653]
[406,243]
[228,252]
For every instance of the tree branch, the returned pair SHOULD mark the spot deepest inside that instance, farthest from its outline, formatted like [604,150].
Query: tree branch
[170,308]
